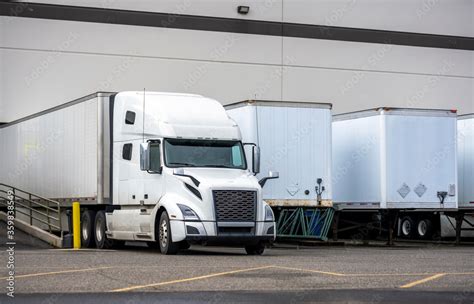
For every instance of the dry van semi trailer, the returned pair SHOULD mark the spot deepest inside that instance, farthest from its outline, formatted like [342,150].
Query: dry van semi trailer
[168,169]
[295,140]
[461,223]
[395,169]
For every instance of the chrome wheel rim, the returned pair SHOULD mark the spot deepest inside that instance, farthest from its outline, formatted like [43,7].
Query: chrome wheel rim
[98,230]
[163,234]
[406,227]
[85,233]
[422,227]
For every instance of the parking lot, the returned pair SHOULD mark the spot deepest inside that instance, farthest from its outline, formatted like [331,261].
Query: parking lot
[286,273]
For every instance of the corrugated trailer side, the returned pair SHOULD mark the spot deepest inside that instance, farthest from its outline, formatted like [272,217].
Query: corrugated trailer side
[61,153]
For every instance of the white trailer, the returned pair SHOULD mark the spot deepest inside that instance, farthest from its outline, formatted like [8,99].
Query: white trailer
[466,161]
[399,161]
[295,140]
[466,183]
[164,168]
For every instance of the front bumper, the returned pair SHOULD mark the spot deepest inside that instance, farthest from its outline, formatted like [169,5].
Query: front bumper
[223,232]
[230,240]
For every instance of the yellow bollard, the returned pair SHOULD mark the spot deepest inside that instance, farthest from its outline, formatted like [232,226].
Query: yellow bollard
[76,224]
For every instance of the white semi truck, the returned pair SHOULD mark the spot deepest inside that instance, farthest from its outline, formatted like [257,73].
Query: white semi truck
[168,169]
[391,164]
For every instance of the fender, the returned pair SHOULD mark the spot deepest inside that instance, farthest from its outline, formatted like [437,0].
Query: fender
[169,203]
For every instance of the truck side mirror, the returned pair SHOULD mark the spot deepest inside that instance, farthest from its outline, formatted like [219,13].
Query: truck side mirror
[256,159]
[271,175]
[150,157]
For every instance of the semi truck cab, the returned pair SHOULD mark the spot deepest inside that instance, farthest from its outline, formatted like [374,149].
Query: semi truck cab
[179,175]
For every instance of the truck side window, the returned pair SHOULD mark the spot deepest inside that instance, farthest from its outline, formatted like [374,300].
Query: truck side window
[155,161]
[127,151]
[130,118]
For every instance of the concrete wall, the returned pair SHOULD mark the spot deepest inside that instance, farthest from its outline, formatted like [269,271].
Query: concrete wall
[48,62]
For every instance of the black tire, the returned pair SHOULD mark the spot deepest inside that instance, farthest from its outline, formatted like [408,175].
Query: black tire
[87,229]
[101,239]
[255,249]
[164,236]
[407,227]
[424,229]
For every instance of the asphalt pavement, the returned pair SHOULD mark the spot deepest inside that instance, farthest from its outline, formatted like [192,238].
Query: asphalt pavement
[406,273]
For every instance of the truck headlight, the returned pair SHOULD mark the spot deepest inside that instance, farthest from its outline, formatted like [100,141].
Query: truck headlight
[188,213]
[269,217]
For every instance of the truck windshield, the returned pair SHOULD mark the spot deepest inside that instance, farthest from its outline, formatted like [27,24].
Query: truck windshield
[204,153]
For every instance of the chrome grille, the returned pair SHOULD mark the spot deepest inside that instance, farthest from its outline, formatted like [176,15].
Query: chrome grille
[235,205]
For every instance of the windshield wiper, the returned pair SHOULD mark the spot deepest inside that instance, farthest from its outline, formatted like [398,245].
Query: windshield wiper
[182,164]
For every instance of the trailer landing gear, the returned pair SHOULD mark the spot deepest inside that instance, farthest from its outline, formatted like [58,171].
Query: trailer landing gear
[460,219]
[392,223]
[335,226]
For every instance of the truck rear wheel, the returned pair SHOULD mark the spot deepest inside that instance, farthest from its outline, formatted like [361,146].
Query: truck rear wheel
[164,236]
[101,239]
[255,249]
[424,229]
[87,229]
[407,226]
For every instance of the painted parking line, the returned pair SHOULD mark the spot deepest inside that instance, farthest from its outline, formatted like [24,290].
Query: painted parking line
[430,278]
[373,274]
[56,272]
[314,271]
[189,279]
[351,274]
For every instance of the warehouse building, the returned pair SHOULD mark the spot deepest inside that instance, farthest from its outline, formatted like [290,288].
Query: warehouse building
[356,54]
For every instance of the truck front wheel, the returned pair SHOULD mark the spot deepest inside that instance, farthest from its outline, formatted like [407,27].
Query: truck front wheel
[164,236]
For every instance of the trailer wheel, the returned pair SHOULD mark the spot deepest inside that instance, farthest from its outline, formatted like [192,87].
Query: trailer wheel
[255,249]
[101,239]
[424,229]
[164,236]
[87,229]
[407,226]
